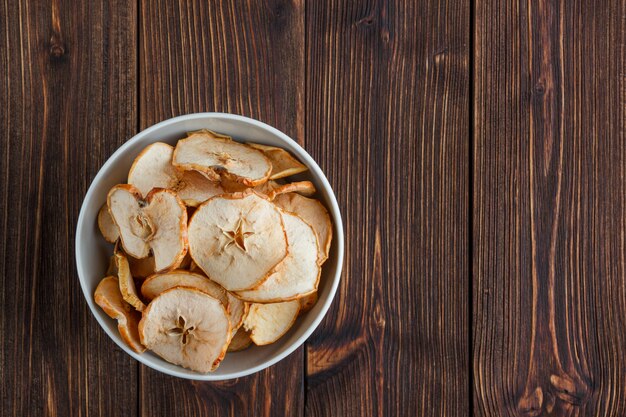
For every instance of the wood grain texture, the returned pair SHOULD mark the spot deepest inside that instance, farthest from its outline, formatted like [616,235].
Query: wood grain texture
[549,198]
[388,120]
[67,81]
[244,57]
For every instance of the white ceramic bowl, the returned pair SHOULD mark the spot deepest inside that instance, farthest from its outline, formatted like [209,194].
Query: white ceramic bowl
[92,252]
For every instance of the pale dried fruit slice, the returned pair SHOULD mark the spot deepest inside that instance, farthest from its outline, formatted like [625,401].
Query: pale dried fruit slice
[312,212]
[209,154]
[297,275]
[269,322]
[106,225]
[283,163]
[153,169]
[271,188]
[237,239]
[240,341]
[158,283]
[157,224]
[194,188]
[305,188]
[307,302]
[186,327]
[109,298]
[127,284]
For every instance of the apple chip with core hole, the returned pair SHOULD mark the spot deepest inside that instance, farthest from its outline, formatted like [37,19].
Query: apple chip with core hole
[240,341]
[296,276]
[283,164]
[106,225]
[237,239]
[312,212]
[157,224]
[153,169]
[158,283]
[207,153]
[269,322]
[109,298]
[186,327]
[127,285]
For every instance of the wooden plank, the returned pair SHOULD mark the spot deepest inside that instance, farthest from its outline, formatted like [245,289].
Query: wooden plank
[237,57]
[549,221]
[67,77]
[388,118]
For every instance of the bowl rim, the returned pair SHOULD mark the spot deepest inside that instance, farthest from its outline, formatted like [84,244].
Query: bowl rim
[338,241]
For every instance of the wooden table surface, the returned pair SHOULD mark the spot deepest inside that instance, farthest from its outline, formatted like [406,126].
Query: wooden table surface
[477,150]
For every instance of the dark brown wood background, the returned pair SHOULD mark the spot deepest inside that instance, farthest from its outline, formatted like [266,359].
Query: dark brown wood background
[477,150]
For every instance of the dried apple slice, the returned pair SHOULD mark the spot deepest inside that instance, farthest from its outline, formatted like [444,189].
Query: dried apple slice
[240,341]
[157,224]
[153,169]
[296,276]
[109,298]
[186,327]
[283,163]
[209,154]
[305,188]
[269,322]
[307,302]
[127,284]
[107,226]
[237,239]
[273,189]
[312,212]
[194,188]
[158,283]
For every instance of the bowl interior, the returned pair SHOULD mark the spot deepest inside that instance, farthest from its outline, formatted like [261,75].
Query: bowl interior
[92,252]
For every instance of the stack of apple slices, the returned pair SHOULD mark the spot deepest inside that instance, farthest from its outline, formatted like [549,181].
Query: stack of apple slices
[214,250]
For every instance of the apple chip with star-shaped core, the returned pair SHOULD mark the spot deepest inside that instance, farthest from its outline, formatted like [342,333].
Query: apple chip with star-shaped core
[237,239]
